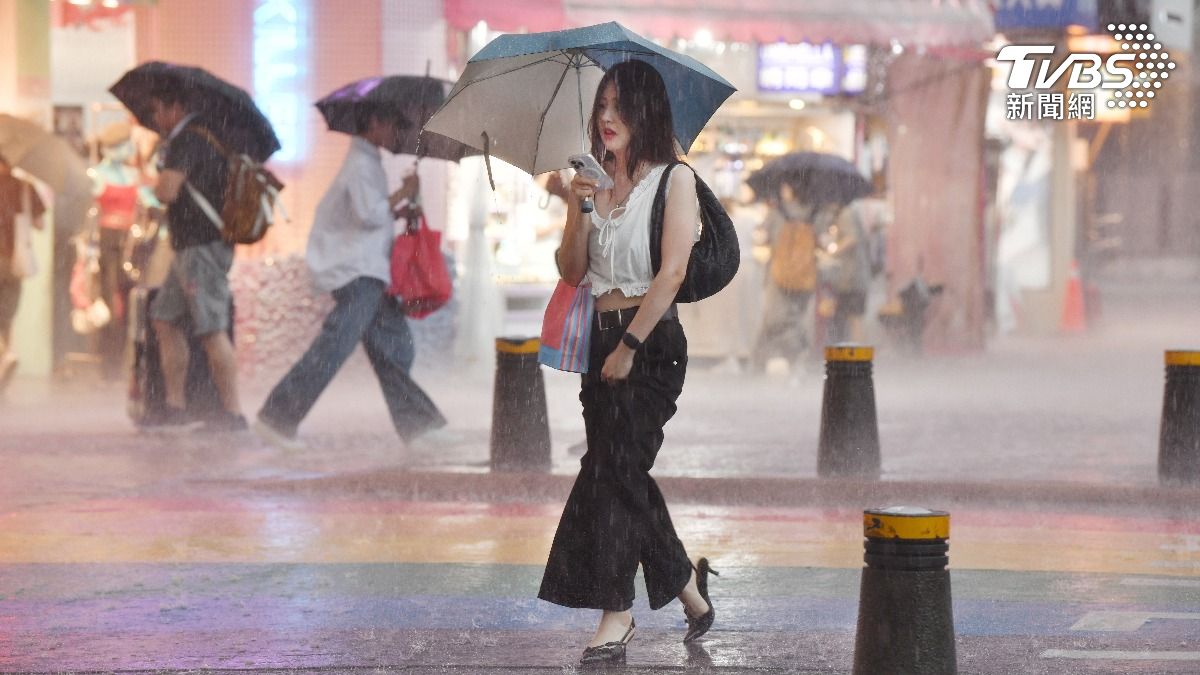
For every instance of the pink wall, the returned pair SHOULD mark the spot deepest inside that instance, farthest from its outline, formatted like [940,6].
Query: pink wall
[935,115]
[218,35]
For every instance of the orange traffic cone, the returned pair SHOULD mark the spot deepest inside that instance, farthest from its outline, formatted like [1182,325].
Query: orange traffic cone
[1073,318]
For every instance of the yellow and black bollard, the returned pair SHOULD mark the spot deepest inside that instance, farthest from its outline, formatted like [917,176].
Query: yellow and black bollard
[905,620]
[849,440]
[1179,434]
[520,424]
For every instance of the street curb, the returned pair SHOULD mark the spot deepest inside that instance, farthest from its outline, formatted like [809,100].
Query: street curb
[761,492]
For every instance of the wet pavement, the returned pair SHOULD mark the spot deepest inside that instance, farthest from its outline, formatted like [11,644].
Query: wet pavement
[136,552]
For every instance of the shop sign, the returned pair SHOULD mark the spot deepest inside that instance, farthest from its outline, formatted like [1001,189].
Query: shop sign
[280,69]
[1125,80]
[1013,15]
[806,68]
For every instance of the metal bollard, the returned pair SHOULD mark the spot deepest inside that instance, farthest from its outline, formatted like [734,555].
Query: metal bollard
[1179,434]
[849,440]
[905,619]
[520,421]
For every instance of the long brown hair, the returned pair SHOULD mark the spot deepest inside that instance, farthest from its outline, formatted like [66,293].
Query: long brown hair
[644,107]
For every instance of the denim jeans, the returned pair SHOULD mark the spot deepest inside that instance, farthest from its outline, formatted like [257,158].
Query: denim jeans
[364,312]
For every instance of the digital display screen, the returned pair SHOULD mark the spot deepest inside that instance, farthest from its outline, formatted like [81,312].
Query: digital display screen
[806,68]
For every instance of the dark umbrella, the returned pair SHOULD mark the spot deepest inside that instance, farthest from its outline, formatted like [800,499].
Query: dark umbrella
[228,111]
[817,179]
[411,99]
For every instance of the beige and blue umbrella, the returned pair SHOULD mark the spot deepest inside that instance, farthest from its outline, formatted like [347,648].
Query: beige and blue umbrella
[526,98]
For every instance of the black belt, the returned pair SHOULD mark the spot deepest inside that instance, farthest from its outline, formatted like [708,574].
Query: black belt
[616,318]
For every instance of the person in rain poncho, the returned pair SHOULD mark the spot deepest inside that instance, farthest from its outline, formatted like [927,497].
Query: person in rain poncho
[791,281]
[349,256]
[846,268]
[615,517]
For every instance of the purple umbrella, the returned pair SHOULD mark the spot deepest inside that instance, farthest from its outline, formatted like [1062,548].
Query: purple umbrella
[410,99]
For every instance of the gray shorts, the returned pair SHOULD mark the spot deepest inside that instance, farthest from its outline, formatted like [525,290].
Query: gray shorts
[195,295]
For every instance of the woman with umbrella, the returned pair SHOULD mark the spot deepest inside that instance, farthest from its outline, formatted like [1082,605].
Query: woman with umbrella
[615,517]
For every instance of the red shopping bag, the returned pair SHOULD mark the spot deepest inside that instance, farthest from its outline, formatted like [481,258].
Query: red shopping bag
[419,275]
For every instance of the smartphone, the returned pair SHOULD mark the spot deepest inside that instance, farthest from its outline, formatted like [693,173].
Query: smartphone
[588,166]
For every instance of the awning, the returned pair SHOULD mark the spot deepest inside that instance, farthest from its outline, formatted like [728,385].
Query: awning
[912,23]
[506,16]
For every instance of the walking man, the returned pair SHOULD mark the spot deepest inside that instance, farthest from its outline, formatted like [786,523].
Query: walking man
[349,255]
[195,297]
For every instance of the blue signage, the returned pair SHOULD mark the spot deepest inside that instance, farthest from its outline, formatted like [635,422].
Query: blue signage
[806,68]
[1045,14]
[281,71]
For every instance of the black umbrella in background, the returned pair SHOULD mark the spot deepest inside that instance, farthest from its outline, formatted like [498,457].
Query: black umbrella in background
[228,111]
[412,99]
[816,178]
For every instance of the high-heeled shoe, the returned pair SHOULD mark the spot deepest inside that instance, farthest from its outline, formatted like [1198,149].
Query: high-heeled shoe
[698,626]
[609,652]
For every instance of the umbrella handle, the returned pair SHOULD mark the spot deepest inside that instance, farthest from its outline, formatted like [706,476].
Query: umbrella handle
[585,205]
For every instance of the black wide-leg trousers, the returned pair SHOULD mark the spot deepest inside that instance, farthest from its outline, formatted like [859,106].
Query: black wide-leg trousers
[615,518]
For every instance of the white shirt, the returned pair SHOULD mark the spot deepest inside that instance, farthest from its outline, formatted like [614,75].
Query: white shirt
[353,228]
[619,242]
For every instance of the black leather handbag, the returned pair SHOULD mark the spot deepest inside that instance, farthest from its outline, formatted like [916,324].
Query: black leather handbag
[715,257]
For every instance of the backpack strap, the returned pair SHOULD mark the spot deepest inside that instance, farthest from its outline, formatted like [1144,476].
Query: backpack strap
[210,138]
[206,206]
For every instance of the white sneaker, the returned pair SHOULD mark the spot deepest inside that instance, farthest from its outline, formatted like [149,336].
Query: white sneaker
[275,437]
[778,367]
[435,439]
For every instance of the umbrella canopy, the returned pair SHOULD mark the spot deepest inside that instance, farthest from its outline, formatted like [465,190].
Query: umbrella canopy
[816,178]
[228,110]
[532,94]
[53,161]
[412,99]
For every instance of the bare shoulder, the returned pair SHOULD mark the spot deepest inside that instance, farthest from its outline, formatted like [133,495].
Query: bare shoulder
[683,180]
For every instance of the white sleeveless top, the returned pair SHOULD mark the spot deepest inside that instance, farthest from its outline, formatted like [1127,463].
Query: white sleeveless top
[619,241]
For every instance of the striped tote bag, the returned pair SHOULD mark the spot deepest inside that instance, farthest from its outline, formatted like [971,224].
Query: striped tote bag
[567,328]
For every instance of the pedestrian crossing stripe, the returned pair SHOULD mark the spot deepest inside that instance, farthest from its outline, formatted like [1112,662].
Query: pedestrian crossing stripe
[1118,655]
[1114,621]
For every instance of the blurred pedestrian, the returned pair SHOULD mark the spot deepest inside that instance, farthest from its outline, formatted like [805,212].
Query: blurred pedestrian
[20,209]
[791,281]
[195,297]
[615,517]
[120,190]
[845,261]
[349,255]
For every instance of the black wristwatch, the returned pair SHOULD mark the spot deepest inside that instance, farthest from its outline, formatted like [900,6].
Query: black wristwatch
[631,341]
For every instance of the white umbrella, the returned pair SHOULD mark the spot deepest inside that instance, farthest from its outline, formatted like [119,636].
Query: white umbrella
[526,98]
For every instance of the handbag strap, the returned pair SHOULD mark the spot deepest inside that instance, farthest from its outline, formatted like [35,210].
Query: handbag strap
[658,212]
[707,201]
